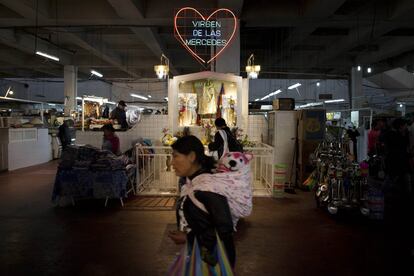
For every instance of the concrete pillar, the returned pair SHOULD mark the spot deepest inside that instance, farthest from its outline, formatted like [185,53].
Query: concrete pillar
[357,98]
[229,60]
[70,76]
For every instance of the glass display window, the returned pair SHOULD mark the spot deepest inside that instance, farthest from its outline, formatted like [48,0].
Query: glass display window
[202,101]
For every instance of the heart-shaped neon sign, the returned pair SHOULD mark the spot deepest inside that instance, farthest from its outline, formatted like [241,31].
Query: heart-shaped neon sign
[200,36]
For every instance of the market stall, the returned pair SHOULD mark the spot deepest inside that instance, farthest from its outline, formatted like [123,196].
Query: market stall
[87,172]
[196,100]
[22,130]
[95,113]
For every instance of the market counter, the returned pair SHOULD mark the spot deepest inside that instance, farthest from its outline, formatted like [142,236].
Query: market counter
[24,147]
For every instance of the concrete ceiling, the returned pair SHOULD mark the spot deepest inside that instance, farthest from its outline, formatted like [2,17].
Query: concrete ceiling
[124,39]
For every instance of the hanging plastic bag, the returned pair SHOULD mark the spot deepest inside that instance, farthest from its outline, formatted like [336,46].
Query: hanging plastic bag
[190,262]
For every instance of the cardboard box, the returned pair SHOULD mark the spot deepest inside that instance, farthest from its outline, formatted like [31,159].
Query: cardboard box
[284,104]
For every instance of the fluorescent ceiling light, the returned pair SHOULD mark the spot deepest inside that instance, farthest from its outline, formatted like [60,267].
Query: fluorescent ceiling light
[318,84]
[359,68]
[401,105]
[335,101]
[96,73]
[369,70]
[265,97]
[111,102]
[258,99]
[311,104]
[138,96]
[47,55]
[79,98]
[149,96]
[296,85]
[275,92]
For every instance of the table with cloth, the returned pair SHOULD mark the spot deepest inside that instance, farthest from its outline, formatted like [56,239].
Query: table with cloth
[85,172]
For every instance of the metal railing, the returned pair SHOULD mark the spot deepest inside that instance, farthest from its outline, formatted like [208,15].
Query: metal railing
[155,175]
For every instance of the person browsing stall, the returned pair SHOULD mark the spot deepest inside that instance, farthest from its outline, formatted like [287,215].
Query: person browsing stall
[222,136]
[195,221]
[119,114]
[110,140]
[64,135]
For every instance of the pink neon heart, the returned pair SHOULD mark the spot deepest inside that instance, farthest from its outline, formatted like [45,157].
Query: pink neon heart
[205,19]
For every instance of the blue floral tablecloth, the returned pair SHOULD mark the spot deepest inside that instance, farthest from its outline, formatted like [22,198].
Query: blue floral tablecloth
[81,183]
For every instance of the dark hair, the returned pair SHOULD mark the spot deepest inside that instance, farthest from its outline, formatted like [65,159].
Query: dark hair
[121,102]
[399,122]
[187,144]
[220,122]
[108,127]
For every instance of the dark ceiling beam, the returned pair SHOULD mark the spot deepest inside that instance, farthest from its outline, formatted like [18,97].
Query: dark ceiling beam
[359,35]
[89,22]
[100,50]
[390,48]
[405,59]
[26,43]
[317,9]
[235,6]
[129,10]
[401,8]
[29,11]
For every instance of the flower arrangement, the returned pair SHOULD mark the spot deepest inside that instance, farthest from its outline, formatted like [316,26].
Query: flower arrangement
[208,137]
[242,138]
[168,139]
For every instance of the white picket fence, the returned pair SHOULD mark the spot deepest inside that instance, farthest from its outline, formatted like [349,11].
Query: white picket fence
[155,175]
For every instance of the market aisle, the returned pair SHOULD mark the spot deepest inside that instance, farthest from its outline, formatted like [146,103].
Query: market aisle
[282,237]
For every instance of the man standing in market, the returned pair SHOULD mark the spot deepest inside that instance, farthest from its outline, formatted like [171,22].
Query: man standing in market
[119,114]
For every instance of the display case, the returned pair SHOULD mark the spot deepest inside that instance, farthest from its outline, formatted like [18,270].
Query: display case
[196,100]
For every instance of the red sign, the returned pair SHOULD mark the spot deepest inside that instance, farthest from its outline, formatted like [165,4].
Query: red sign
[205,38]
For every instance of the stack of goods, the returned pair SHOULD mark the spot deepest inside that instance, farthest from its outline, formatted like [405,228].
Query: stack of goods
[279,180]
[88,157]
[85,171]
[340,182]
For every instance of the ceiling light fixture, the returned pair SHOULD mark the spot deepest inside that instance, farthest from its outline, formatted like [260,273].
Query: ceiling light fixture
[311,104]
[335,101]
[296,85]
[96,73]
[256,100]
[251,69]
[9,92]
[359,68]
[275,92]
[149,96]
[369,70]
[47,56]
[138,96]
[163,69]
[318,84]
[166,98]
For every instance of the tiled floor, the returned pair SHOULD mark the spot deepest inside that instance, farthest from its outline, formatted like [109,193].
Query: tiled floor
[282,237]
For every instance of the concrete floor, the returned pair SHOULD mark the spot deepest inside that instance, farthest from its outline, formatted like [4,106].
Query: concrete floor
[282,237]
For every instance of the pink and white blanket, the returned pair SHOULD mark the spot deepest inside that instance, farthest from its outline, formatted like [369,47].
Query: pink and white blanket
[234,185]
